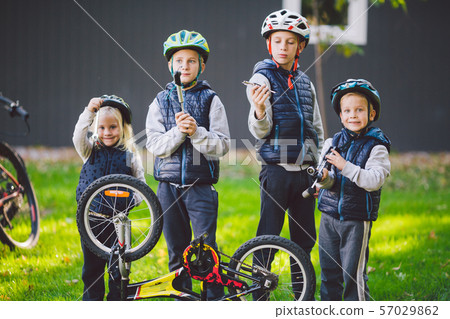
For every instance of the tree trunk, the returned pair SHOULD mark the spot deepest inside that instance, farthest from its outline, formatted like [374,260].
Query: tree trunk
[318,71]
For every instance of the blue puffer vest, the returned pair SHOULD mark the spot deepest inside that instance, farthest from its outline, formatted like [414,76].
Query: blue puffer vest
[104,161]
[345,200]
[186,165]
[293,113]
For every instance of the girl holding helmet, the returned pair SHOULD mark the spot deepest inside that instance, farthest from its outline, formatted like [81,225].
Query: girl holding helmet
[110,150]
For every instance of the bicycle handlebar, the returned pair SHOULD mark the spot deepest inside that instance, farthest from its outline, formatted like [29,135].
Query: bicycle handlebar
[14,109]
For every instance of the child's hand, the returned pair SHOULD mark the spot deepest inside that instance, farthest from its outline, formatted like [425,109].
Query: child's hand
[324,174]
[94,104]
[186,123]
[259,96]
[336,159]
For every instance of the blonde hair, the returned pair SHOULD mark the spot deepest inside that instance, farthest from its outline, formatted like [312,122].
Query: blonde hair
[126,140]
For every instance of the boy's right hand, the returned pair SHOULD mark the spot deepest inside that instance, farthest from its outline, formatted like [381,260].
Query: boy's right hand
[94,104]
[259,96]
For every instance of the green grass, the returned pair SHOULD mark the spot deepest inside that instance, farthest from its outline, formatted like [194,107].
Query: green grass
[409,247]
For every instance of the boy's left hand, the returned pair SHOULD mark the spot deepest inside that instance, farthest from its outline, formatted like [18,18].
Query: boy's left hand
[336,159]
[186,123]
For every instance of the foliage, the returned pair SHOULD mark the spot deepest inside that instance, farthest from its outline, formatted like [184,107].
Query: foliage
[333,12]
[409,245]
[394,3]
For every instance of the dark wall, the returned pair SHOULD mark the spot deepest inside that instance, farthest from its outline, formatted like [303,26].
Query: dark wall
[54,58]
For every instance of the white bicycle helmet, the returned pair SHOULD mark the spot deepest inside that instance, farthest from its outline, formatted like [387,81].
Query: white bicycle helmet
[286,20]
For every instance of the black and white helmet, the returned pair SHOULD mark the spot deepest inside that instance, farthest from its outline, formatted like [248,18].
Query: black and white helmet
[118,103]
[286,20]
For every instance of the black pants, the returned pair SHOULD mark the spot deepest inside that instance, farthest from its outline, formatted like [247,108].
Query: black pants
[94,268]
[93,276]
[281,190]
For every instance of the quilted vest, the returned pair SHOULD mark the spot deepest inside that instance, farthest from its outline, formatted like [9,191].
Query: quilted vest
[293,138]
[186,165]
[345,200]
[104,161]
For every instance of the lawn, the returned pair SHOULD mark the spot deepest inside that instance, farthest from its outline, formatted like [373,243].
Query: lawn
[409,247]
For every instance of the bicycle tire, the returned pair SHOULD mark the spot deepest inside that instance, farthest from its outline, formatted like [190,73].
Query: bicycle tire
[97,231]
[22,229]
[281,251]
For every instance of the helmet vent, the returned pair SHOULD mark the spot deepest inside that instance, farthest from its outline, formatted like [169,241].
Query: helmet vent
[301,25]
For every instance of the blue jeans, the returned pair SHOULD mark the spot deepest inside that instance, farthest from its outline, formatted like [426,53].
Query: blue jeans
[196,205]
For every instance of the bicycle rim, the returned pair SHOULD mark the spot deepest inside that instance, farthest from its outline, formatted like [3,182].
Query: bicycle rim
[19,216]
[105,203]
[293,275]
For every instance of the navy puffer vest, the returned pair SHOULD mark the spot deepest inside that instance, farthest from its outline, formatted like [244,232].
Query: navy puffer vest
[186,165]
[345,200]
[293,138]
[104,161]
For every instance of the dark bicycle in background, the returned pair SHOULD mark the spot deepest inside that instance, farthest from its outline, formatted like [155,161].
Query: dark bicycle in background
[19,212]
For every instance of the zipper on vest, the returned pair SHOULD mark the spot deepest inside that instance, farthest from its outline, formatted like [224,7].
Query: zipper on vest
[341,195]
[368,204]
[211,168]
[276,146]
[183,164]
[301,115]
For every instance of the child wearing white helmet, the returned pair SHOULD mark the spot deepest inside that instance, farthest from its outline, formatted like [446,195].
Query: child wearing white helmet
[284,116]
[187,134]
[350,191]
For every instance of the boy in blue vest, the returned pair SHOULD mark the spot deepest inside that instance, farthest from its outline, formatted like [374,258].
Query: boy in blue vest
[187,145]
[350,192]
[288,125]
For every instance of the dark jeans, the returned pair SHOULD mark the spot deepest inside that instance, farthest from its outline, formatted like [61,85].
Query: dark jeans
[93,278]
[281,190]
[343,253]
[196,205]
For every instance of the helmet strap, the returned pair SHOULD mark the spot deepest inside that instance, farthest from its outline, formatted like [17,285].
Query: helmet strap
[198,74]
[294,68]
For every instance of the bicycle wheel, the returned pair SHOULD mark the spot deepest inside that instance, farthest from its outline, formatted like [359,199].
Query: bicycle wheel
[19,214]
[287,268]
[117,199]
